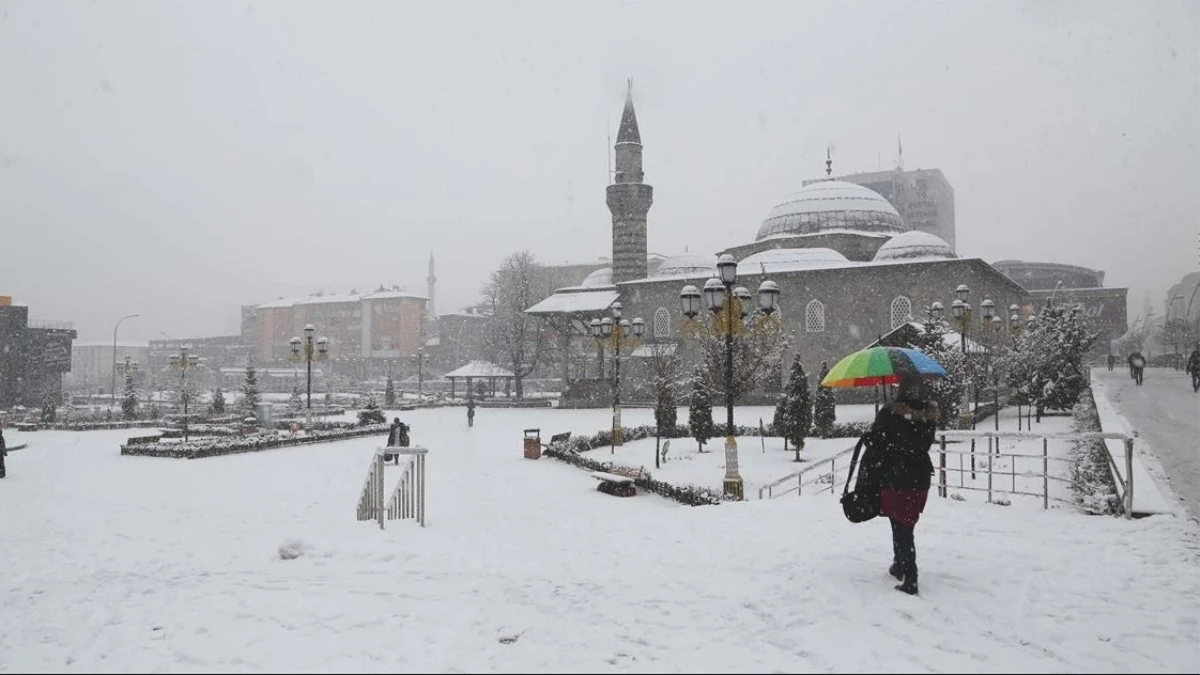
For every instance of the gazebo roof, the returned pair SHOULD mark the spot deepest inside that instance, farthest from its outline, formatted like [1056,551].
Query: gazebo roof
[481,369]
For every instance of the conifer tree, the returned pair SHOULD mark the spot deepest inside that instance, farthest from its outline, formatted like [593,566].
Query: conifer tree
[824,407]
[249,401]
[798,401]
[129,403]
[218,402]
[700,421]
[389,393]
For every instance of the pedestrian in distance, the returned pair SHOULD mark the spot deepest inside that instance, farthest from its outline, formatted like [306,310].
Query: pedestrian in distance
[1193,367]
[3,454]
[1137,366]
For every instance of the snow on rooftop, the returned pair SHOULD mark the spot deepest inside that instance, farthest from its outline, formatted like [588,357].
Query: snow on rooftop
[479,369]
[567,301]
[790,260]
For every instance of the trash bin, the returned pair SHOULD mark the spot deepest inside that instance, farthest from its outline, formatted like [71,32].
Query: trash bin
[533,443]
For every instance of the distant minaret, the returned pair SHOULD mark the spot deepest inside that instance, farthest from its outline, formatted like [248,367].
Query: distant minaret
[828,164]
[431,282]
[629,199]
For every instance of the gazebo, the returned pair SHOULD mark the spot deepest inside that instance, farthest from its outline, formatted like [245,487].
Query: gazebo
[482,370]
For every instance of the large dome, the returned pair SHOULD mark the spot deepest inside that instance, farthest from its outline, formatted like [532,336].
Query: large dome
[601,278]
[790,260]
[687,265]
[914,245]
[832,205]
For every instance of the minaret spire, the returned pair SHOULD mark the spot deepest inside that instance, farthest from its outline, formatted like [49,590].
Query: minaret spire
[828,164]
[629,198]
[431,284]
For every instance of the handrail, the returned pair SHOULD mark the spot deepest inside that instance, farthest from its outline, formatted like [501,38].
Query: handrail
[1125,484]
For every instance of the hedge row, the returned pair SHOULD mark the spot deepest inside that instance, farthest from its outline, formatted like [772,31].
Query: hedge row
[210,447]
[604,438]
[690,495]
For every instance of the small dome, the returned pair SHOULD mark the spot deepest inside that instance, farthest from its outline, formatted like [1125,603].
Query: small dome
[914,245]
[687,265]
[831,205]
[600,278]
[790,260]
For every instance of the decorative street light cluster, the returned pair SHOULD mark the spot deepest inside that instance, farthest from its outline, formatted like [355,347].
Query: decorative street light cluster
[618,333]
[729,306]
[304,352]
[183,362]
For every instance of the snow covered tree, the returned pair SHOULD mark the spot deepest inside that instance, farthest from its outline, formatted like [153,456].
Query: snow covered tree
[947,392]
[49,407]
[1046,365]
[824,407]
[218,401]
[155,412]
[372,413]
[756,354]
[249,401]
[665,367]
[129,402]
[512,337]
[794,413]
[295,402]
[700,421]
[389,393]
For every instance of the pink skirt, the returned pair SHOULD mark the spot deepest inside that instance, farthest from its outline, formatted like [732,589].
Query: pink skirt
[903,505]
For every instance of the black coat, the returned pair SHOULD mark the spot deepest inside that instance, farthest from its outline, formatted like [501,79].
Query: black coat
[1193,362]
[899,443]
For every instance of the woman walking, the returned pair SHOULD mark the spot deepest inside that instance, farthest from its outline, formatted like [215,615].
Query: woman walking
[901,436]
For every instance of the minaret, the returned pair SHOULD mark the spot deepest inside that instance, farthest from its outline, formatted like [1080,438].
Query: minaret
[629,199]
[431,283]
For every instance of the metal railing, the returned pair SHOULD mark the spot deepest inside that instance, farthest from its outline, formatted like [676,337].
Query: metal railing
[827,474]
[407,500]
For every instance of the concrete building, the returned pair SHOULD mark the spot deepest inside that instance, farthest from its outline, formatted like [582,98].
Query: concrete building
[34,355]
[92,364]
[1105,308]
[366,331]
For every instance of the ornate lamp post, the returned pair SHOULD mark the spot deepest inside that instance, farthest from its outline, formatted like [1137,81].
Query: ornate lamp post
[618,333]
[183,362]
[961,309]
[728,306]
[303,352]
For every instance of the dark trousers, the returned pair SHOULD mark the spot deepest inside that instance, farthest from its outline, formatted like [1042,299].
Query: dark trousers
[904,549]
[1137,375]
[1196,380]
[3,471]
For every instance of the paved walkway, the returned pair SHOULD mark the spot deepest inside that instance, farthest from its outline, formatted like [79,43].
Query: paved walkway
[1166,414]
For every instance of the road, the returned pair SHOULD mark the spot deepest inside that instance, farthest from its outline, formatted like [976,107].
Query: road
[1166,413]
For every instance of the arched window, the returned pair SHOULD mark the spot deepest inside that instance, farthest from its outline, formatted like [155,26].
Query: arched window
[662,323]
[901,311]
[814,317]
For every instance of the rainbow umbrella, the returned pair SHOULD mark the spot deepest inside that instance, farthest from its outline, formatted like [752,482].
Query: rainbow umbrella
[881,365]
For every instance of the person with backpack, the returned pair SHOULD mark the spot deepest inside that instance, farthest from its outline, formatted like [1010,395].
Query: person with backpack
[1193,367]
[1137,365]
[899,440]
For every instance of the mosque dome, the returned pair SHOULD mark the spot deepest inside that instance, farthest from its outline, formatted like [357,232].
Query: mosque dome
[832,205]
[790,260]
[599,279]
[914,245]
[689,265]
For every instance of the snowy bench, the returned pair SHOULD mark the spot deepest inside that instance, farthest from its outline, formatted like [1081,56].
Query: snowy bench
[614,484]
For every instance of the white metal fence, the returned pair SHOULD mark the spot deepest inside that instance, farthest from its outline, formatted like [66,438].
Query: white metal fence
[407,499]
[986,469]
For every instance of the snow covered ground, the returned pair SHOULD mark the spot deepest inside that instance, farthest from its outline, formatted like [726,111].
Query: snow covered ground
[117,563]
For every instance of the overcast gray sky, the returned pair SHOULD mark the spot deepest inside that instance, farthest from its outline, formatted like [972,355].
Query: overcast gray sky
[179,159]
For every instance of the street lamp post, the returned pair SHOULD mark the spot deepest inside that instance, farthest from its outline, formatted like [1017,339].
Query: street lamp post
[304,352]
[728,306]
[113,386]
[617,332]
[961,309]
[183,362]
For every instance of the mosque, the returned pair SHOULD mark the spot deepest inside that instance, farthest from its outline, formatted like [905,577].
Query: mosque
[848,267]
